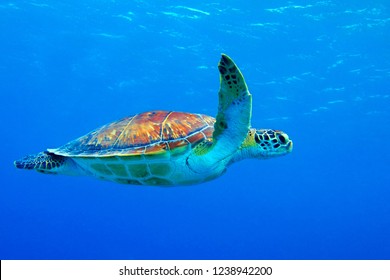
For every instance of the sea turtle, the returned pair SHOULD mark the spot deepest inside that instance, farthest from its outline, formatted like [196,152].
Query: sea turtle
[164,148]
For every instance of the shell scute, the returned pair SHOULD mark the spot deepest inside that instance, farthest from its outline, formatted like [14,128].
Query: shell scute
[196,138]
[179,125]
[157,151]
[143,129]
[177,144]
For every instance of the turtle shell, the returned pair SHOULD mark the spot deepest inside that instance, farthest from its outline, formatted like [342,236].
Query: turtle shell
[149,133]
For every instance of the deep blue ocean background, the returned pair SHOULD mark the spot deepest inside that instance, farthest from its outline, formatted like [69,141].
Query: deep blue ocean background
[319,70]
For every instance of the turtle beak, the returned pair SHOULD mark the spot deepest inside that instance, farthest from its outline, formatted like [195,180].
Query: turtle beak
[286,141]
[289,146]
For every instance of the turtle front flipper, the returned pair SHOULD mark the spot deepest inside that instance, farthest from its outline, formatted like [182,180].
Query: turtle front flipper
[234,107]
[232,121]
[46,162]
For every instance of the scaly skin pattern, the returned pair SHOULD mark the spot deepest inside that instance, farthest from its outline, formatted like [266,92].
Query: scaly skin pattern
[41,161]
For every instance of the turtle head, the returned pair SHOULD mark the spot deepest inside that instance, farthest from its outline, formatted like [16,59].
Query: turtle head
[265,143]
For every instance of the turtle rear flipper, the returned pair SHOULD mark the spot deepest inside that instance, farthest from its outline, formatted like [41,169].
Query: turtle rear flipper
[50,163]
[43,162]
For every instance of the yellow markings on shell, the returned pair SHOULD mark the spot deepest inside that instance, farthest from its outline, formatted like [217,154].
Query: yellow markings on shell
[113,132]
[160,155]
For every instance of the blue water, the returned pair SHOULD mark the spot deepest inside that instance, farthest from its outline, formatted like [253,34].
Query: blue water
[319,71]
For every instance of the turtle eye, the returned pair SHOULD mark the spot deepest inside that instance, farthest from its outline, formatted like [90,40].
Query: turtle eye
[282,139]
[257,139]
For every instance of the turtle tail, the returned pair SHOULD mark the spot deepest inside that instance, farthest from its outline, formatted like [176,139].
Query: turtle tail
[44,162]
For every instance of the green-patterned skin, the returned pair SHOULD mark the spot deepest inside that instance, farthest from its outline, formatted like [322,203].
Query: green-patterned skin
[165,148]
